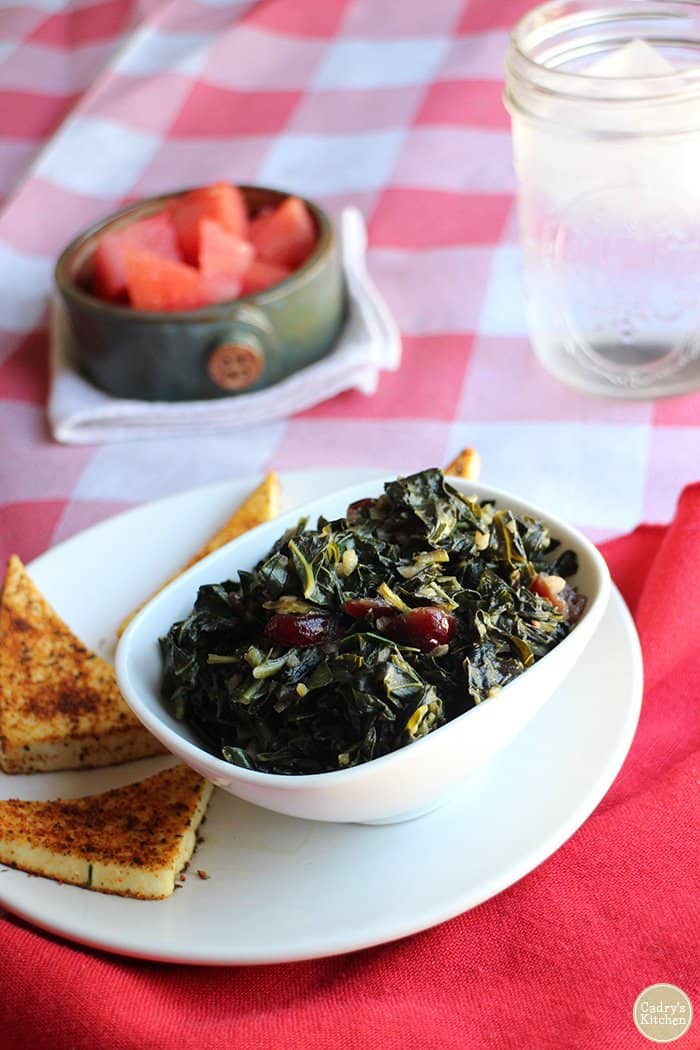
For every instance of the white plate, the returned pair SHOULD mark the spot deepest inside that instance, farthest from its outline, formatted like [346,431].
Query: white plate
[282,889]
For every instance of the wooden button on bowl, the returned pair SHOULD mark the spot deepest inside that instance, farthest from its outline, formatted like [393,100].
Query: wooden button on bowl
[235,366]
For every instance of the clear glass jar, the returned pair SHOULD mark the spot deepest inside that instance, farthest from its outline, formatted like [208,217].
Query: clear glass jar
[608,170]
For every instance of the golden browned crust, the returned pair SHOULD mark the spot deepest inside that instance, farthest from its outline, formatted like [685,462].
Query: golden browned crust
[60,706]
[136,826]
[133,832]
[466,464]
[262,505]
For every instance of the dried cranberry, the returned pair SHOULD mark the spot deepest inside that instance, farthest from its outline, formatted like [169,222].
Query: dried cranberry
[423,628]
[359,509]
[359,607]
[311,628]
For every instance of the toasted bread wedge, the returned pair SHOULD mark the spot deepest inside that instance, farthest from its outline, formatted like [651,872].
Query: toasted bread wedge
[132,840]
[60,707]
[262,505]
[467,465]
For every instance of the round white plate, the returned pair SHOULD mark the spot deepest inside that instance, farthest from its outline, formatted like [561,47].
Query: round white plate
[281,889]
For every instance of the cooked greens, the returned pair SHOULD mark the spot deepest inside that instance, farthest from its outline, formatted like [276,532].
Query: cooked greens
[352,639]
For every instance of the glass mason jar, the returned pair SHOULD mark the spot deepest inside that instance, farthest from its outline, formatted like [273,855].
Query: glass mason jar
[607,155]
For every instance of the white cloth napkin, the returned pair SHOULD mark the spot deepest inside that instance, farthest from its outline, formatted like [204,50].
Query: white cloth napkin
[80,413]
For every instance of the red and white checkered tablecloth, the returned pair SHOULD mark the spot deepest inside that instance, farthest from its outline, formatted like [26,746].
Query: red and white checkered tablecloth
[391,105]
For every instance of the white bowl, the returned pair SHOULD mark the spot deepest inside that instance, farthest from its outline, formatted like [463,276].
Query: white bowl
[398,786]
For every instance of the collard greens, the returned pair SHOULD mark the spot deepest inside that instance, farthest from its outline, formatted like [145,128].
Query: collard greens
[317,660]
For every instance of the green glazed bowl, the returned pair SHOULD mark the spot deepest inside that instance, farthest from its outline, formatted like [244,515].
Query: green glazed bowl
[229,348]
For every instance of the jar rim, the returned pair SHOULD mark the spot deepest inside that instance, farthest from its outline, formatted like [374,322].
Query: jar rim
[573,84]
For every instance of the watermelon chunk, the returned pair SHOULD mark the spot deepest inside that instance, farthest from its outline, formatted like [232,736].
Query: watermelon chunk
[285,236]
[155,283]
[156,234]
[261,275]
[223,259]
[221,202]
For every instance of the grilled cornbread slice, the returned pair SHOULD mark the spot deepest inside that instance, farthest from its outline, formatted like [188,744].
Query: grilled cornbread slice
[132,840]
[262,505]
[466,464]
[60,707]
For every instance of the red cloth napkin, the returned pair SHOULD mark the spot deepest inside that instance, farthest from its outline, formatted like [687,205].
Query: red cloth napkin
[554,963]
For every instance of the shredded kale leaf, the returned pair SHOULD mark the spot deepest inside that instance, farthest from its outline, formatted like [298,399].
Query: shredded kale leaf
[362,635]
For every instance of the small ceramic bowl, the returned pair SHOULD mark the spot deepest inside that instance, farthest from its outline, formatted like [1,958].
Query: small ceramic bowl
[221,350]
[398,786]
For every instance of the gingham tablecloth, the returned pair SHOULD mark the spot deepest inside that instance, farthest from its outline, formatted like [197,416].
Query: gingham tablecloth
[391,105]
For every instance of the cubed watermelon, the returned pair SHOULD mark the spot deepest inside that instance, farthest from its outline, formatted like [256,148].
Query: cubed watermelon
[155,283]
[221,202]
[223,259]
[155,234]
[285,236]
[261,275]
